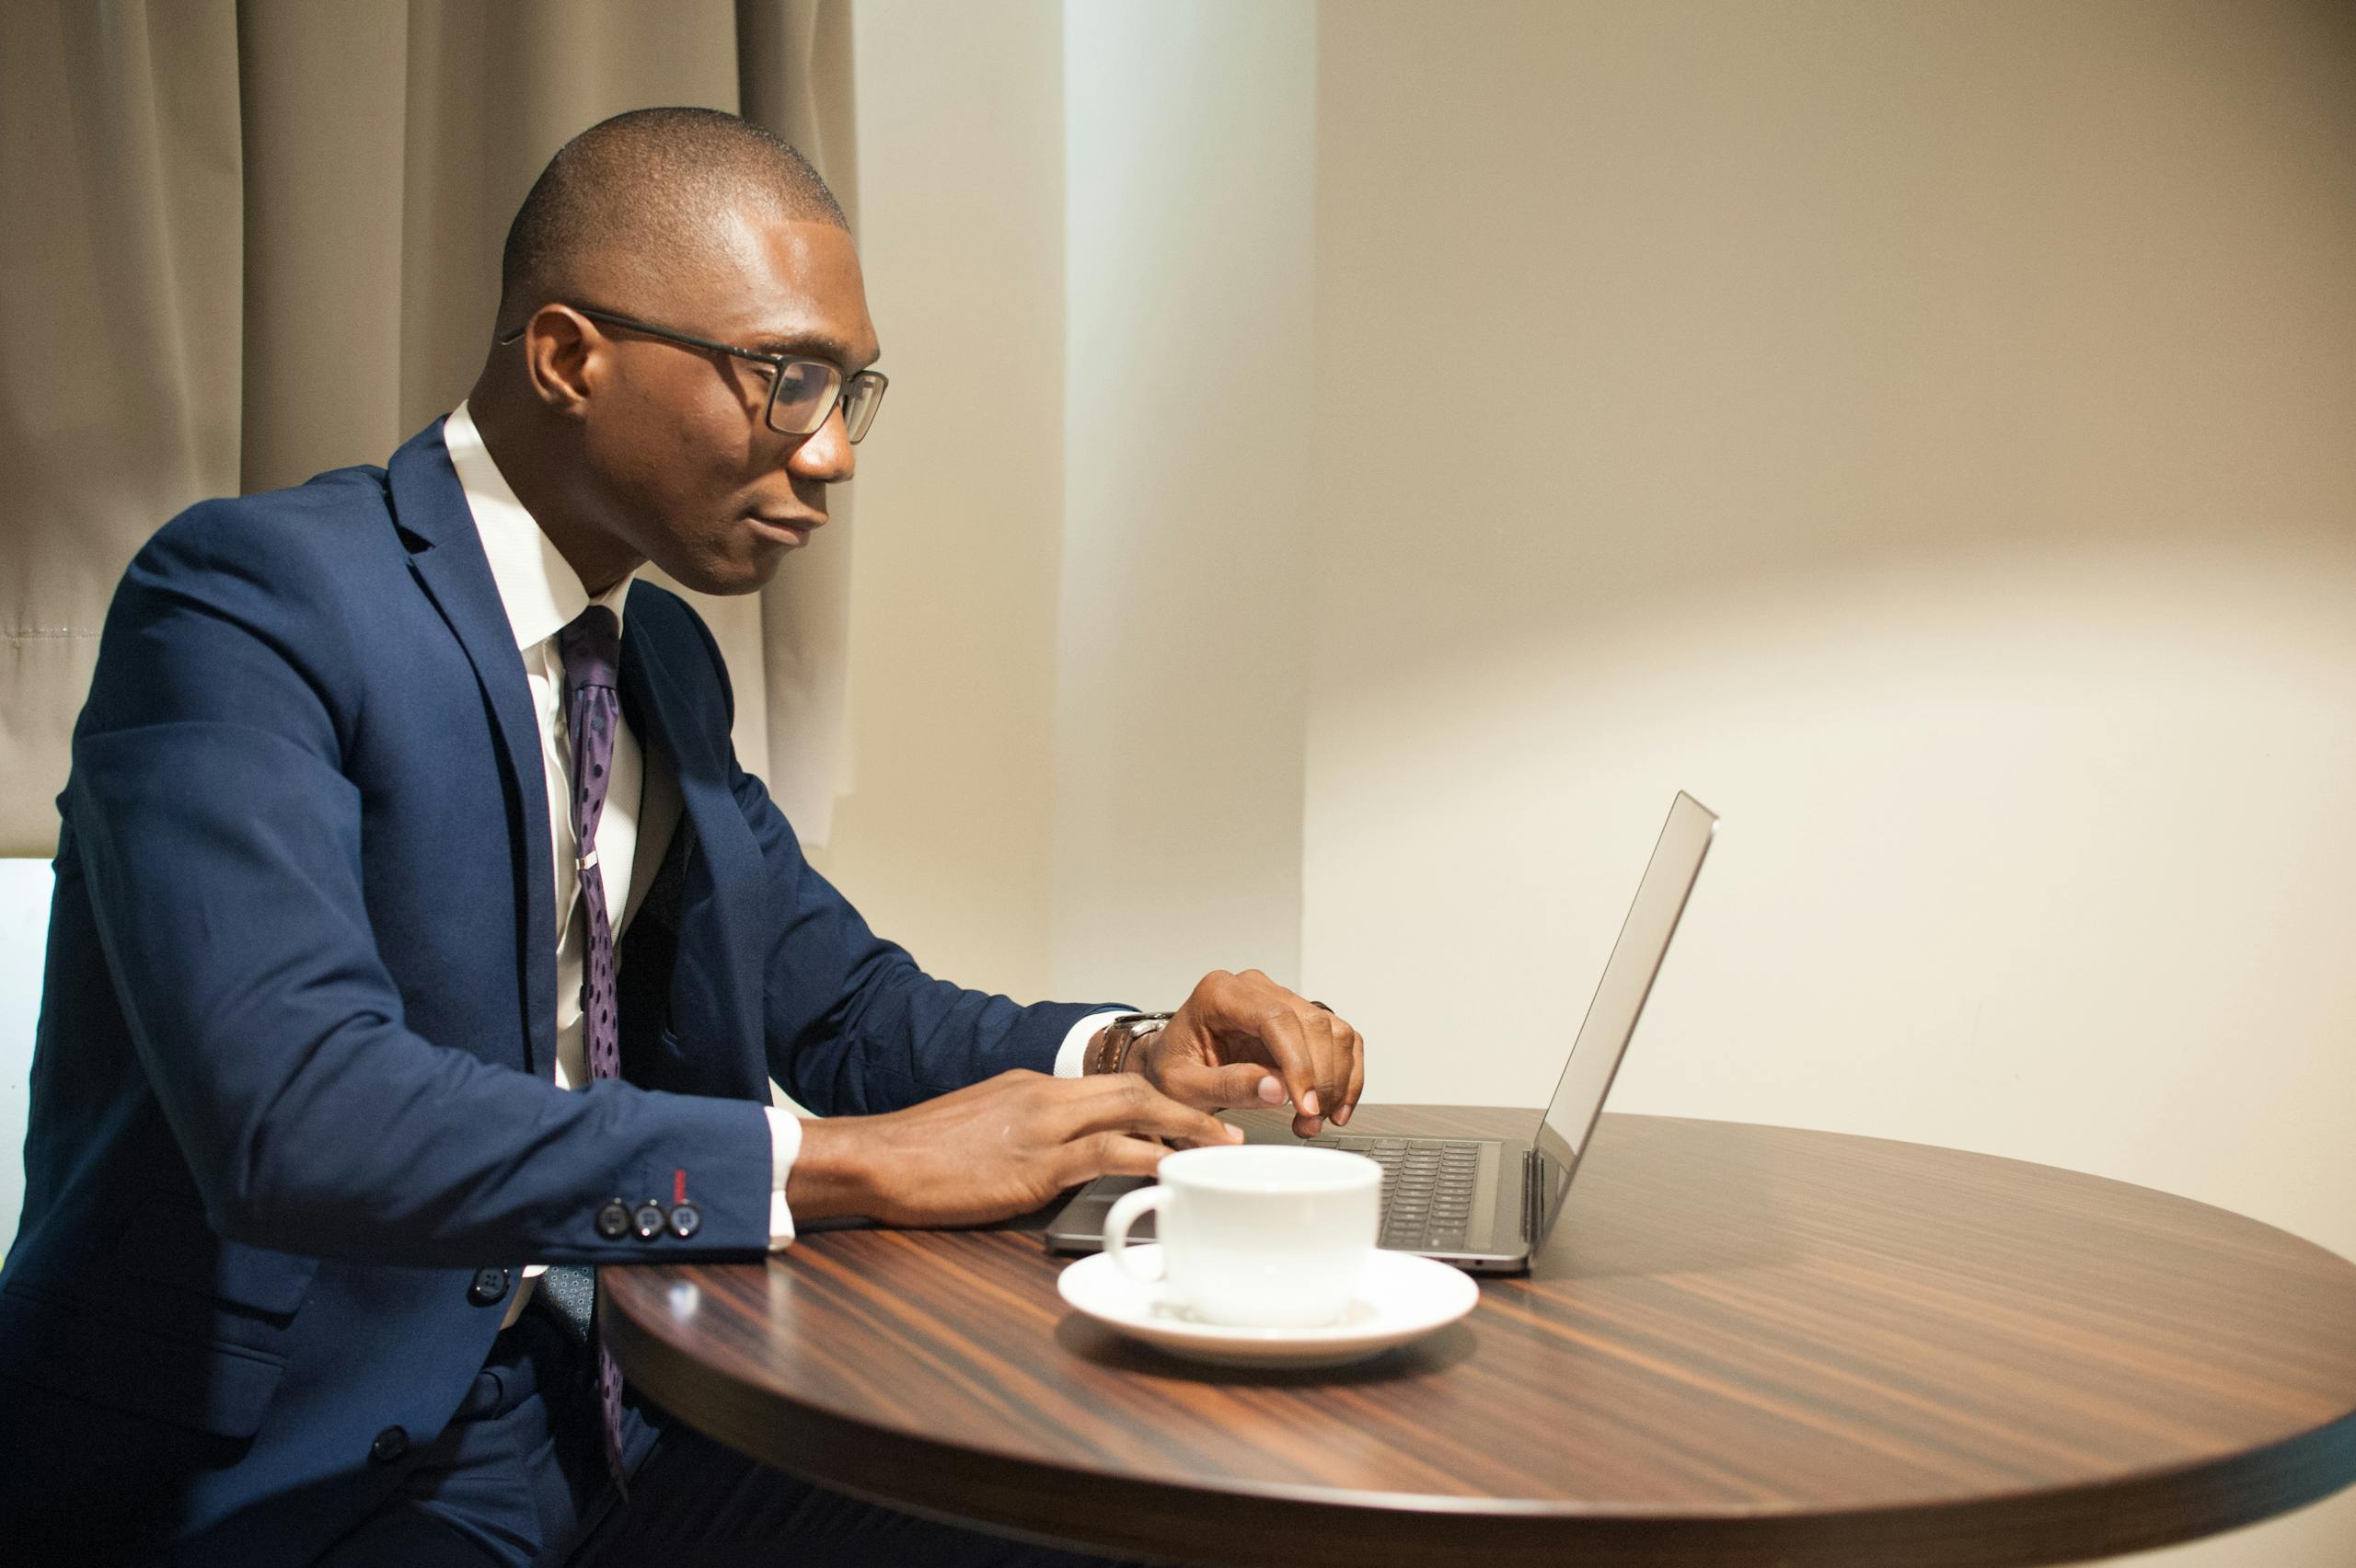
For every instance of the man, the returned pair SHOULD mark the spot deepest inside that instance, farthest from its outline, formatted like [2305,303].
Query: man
[415,928]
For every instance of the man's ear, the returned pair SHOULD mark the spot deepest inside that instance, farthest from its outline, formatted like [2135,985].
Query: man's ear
[563,359]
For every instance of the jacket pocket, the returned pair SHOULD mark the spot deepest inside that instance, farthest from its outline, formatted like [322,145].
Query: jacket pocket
[165,1244]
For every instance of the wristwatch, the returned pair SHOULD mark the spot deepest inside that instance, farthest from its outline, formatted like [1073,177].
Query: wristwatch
[1109,1053]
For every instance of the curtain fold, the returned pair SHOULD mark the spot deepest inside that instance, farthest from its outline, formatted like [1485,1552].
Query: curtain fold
[805,612]
[253,239]
[119,324]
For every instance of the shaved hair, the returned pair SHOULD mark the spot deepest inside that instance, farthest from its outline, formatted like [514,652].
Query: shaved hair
[635,197]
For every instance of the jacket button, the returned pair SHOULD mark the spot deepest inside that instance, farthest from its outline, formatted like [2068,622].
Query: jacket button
[613,1221]
[648,1220]
[686,1220]
[390,1445]
[490,1286]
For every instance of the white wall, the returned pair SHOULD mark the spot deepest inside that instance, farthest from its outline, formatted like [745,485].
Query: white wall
[24,929]
[1189,145]
[1924,433]
[1078,631]
[944,840]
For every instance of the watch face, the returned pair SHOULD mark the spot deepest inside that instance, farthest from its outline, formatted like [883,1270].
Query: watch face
[1128,1029]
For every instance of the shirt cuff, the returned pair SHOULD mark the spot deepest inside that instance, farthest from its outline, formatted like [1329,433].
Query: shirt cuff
[1075,1045]
[785,1142]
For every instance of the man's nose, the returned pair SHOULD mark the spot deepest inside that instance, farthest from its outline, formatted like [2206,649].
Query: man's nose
[827,455]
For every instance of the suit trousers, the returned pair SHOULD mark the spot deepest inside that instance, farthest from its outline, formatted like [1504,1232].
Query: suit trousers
[517,1478]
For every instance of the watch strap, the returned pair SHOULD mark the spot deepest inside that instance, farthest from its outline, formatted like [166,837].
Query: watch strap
[1110,1051]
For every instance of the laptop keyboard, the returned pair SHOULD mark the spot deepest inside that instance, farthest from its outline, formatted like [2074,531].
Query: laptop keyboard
[1427,1188]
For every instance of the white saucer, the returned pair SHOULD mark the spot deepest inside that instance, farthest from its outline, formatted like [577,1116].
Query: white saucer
[1403,1296]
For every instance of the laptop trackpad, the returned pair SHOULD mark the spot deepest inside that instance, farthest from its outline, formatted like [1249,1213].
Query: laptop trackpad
[1084,1216]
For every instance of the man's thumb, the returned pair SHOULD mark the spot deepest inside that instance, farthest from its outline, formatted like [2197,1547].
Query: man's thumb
[1231,1087]
[1245,1084]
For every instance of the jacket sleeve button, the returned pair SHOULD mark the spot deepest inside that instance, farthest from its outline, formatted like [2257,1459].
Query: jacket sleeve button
[488,1289]
[686,1220]
[648,1220]
[613,1221]
[390,1445]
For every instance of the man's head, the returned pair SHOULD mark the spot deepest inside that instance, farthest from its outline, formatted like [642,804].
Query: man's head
[627,444]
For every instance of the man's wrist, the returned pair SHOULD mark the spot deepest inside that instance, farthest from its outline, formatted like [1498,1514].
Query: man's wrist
[831,1176]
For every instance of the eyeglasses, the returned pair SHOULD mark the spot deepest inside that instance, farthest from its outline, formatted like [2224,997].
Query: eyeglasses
[802,392]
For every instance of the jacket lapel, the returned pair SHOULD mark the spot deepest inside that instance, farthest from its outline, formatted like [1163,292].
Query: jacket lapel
[446,555]
[717,979]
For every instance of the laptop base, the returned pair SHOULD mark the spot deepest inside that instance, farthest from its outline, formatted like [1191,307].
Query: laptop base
[1484,1234]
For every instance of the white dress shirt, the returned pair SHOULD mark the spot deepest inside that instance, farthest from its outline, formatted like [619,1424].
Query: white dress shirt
[542,595]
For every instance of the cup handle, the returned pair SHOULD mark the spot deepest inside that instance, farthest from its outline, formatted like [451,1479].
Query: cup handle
[1145,1199]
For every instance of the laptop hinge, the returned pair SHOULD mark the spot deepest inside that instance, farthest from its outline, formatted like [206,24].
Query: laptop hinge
[1533,1200]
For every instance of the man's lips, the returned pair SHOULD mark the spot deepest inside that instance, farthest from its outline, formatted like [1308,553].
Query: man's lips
[794,530]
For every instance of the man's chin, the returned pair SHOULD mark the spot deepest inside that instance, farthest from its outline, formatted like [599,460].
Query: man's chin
[729,578]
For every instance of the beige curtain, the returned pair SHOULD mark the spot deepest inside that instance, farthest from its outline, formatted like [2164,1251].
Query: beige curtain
[248,242]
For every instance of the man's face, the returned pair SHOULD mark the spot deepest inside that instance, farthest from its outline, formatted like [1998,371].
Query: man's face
[682,468]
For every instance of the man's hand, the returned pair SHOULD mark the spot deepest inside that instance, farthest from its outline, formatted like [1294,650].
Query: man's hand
[991,1150]
[1242,1040]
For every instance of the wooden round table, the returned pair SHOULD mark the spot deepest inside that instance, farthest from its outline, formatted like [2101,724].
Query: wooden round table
[1741,1345]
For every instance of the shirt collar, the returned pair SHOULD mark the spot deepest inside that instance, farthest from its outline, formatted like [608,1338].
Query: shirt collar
[541,592]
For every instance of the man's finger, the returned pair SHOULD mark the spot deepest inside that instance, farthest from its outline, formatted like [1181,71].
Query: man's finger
[1287,1042]
[1329,1040]
[1357,1077]
[1325,1036]
[1114,1154]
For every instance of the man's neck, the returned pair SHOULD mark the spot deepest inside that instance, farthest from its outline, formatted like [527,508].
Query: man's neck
[533,472]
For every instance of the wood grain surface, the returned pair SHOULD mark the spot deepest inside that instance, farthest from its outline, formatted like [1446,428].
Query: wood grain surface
[1741,1344]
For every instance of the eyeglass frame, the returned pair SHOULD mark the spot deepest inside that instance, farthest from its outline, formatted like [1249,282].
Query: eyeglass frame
[776,363]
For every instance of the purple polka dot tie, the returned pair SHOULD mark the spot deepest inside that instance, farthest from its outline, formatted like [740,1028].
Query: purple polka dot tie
[592,650]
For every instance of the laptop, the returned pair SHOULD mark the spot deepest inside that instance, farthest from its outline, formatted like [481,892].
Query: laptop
[1485,1204]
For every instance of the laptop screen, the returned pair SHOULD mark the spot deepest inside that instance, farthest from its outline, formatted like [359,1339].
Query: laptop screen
[1620,996]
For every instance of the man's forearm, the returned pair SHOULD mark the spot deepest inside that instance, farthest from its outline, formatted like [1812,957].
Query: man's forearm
[829,1170]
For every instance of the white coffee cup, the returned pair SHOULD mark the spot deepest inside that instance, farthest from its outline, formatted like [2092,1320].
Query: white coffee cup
[1257,1234]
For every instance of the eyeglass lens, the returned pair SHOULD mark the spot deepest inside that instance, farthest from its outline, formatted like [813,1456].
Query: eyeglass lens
[804,395]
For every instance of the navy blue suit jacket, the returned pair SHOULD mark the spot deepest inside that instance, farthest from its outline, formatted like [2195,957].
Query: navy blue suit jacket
[292,1080]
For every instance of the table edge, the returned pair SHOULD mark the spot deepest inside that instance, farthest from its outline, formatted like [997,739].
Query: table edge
[1030,1497]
